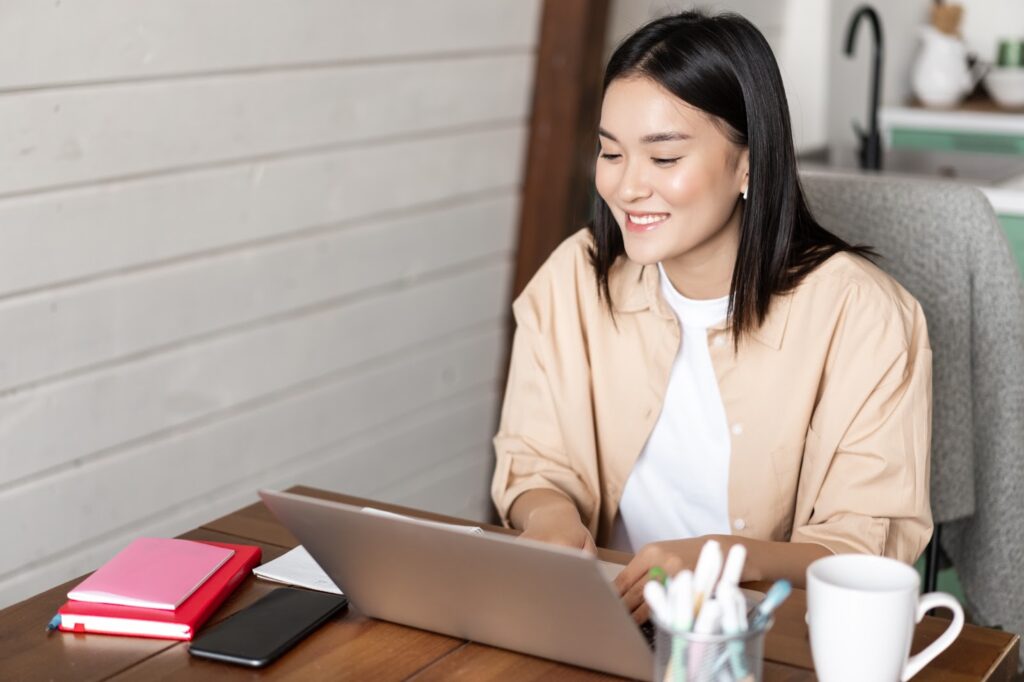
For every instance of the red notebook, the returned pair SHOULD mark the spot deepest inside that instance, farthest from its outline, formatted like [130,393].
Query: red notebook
[182,623]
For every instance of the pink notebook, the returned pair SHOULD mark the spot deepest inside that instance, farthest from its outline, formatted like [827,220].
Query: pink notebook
[154,573]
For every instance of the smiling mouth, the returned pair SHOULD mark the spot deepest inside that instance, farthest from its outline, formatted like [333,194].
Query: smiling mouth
[644,222]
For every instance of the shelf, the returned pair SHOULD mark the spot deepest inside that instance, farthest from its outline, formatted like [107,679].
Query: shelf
[974,130]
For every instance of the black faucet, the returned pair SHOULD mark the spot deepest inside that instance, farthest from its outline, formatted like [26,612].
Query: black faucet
[870,142]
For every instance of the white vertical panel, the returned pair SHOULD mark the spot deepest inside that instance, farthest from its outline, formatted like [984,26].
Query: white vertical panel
[796,30]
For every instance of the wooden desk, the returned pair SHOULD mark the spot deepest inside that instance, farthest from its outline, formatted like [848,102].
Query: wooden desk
[354,647]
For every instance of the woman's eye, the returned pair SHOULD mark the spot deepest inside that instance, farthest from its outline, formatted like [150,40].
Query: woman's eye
[610,157]
[665,162]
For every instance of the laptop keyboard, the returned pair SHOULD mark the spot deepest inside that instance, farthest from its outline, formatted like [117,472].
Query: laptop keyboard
[647,630]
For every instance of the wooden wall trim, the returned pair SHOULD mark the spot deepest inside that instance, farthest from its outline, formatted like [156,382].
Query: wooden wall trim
[566,107]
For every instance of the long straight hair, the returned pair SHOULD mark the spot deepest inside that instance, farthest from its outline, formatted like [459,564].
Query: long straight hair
[723,66]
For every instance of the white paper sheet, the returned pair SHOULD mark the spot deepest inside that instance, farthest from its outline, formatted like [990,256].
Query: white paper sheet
[297,568]
[475,530]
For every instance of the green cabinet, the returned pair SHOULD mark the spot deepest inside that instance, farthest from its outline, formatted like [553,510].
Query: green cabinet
[1014,227]
[956,141]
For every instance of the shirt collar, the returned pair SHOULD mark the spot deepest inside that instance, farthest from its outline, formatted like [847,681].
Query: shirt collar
[634,288]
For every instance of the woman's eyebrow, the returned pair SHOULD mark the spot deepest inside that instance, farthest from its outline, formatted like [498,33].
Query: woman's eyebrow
[664,137]
[671,136]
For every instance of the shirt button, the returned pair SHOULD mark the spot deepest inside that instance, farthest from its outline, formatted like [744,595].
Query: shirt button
[737,429]
[739,524]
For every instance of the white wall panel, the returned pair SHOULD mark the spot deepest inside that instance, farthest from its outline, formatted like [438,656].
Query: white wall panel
[57,331]
[64,137]
[249,243]
[70,235]
[47,43]
[199,462]
[446,451]
[136,399]
[353,466]
[459,486]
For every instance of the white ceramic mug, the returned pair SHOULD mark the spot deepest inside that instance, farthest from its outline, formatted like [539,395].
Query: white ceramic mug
[861,611]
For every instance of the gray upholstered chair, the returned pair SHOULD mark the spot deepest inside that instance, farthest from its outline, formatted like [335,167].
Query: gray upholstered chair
[942,242]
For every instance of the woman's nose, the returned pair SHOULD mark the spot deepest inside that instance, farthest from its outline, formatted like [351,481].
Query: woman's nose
[634,185]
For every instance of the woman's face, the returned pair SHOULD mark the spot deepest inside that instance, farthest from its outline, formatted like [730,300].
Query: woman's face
[670,176]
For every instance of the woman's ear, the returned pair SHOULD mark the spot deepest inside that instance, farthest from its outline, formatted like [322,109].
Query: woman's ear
[743,171]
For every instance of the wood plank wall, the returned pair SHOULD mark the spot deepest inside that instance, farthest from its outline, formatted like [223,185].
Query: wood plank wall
[247,244]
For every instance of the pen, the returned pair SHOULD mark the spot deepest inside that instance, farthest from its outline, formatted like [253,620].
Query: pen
[709,564]
[733,569]
[734,621]
[710,618]
[707,623]
[53,624]
[657,573]
[680,595]
[777,594]
[734,607]
[654,595]
[741,609]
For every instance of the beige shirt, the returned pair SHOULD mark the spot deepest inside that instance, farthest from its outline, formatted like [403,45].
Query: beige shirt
[828,402]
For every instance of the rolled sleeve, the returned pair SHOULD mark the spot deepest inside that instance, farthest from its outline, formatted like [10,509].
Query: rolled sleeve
[529,446]
[866,460]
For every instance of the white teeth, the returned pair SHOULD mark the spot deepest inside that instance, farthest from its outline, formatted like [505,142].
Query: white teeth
[648,219]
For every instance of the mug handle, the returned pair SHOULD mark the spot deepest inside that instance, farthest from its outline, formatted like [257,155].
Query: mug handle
[925,604]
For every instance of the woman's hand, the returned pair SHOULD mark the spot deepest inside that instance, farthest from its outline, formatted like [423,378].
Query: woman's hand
[766,560]
[671,556]
[559,526]
[550,516]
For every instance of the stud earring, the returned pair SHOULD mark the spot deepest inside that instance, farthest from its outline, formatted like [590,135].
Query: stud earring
[744,194]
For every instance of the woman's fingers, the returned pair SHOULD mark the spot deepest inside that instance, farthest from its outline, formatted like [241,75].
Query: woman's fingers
[642,614]
[630,582]
[635,570]
[633,600]
[631,585]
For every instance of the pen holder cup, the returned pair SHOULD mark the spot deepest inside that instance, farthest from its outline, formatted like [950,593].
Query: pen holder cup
[682,656]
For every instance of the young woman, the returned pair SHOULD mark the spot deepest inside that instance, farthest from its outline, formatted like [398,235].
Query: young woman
[705,360]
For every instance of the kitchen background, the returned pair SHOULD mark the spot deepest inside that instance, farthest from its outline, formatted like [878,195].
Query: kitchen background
[977,142]
[241,253]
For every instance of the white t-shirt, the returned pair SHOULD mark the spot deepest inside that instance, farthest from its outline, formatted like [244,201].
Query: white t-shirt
[679,486]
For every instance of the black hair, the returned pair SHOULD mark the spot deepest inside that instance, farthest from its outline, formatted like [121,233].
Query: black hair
[723,66]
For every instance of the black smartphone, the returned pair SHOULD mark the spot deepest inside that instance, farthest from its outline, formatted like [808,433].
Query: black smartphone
[261,632]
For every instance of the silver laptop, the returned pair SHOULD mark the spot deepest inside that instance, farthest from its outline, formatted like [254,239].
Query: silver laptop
[494,589]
